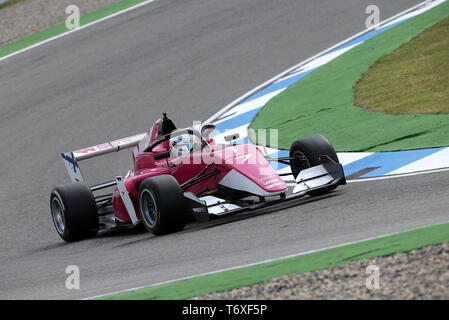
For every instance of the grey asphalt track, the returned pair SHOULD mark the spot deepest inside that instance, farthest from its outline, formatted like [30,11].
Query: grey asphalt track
[187,58]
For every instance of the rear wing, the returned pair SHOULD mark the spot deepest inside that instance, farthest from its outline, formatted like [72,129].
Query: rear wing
[71,163]
[71,158]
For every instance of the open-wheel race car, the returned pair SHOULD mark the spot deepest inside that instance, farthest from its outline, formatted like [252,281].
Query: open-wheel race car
[183,175]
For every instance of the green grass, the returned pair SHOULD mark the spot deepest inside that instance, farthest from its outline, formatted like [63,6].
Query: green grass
[323,101]
[401,242]
[413,79]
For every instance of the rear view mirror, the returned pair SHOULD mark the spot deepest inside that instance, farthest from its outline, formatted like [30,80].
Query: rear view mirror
[231,137]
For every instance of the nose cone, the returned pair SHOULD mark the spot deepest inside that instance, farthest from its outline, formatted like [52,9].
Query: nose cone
[273,184]
[250,170]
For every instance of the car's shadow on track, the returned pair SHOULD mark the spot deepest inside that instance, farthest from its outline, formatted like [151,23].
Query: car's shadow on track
[144,235]
[53,246]
[258,212]
[114,233]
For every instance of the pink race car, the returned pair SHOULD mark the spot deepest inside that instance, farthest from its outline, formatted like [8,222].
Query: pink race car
[183,175]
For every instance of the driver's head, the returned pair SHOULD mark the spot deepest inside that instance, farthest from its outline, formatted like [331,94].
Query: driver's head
[181,145]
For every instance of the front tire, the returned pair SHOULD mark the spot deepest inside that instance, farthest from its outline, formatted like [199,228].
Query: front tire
[162,205]
[310,149]
[74,211]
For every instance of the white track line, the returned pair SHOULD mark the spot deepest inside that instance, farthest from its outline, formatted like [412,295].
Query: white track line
[77,29]
[417,12]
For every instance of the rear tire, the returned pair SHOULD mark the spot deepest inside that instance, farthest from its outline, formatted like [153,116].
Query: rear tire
[74,211]
[162,205]
[311,148]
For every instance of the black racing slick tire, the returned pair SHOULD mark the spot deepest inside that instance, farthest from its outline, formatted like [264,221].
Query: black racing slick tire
[161,204]
[74,211]
[308,150]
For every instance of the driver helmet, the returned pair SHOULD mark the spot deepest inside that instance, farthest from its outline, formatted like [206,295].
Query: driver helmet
[181,145]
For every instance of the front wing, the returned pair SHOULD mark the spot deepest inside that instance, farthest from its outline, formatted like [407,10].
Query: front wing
[319,179]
